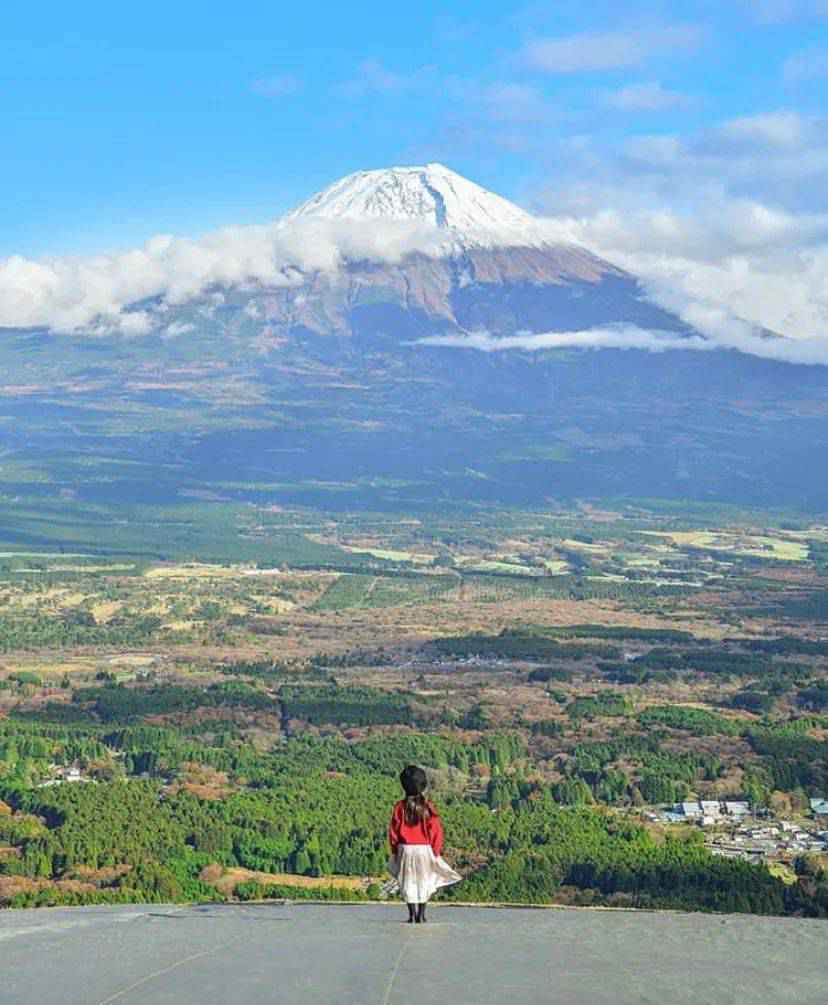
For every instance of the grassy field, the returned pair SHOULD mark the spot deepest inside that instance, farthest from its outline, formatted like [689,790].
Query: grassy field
[294,583]
[751,545]
[228,879]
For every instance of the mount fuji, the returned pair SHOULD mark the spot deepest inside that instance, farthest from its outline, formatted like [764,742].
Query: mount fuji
[471,261]
[337,363]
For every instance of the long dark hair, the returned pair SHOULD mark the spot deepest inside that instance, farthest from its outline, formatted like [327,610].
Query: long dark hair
[414,783]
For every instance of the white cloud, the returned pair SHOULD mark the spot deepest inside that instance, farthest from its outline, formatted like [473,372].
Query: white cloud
[728,227]
[729,334]
[777,159]
[773,129]
[617,50]
[735,267]
[607,337]
[135,323]
[647,97]
[178,328]
[91,294]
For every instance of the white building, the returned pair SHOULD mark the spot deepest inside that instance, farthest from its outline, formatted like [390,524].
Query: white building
[737,808]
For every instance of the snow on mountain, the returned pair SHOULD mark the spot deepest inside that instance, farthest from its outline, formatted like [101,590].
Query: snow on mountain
[432,195]
[470,259]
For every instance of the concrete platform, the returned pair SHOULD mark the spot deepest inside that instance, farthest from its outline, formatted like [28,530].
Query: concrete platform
[365,955]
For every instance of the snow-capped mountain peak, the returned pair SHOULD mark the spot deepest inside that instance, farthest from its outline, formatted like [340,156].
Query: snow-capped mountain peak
[431,195]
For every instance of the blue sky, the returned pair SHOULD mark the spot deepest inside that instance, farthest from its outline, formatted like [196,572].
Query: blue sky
[686,142]
[121,121]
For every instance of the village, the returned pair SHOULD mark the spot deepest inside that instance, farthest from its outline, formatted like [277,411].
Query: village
[734,829]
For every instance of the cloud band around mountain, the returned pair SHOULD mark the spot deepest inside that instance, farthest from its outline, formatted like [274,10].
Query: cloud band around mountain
[76,295]
[728,274]
[742,338]
[605,337]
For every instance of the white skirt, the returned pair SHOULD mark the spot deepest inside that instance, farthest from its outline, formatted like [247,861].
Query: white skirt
[419,872]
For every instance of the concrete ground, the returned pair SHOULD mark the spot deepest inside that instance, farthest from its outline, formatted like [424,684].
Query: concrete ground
[363,954]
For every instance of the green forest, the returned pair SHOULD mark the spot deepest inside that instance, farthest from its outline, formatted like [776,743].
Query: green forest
[319,807]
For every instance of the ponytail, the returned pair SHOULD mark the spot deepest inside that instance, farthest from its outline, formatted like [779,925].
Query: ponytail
[417,810]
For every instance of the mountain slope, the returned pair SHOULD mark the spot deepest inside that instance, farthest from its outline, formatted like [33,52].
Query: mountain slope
[489,265]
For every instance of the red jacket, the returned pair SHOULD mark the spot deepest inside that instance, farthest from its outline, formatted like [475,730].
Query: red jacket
[430,831]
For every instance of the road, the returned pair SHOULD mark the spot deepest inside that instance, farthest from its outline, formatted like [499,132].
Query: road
[365,955]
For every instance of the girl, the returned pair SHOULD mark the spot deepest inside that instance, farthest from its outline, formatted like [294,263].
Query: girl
[416,838]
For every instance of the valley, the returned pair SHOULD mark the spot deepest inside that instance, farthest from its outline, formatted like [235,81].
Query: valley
[570,677]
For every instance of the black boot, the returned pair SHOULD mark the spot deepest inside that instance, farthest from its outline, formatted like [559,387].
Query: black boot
[412,913]
[421,915]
